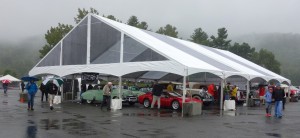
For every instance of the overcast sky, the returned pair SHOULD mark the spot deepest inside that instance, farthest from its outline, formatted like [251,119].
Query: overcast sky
[20,19]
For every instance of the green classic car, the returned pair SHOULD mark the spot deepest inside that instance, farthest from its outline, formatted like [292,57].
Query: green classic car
[128,96]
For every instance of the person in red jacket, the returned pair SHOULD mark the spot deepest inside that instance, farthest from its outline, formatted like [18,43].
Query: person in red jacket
[211,90]
[262,94]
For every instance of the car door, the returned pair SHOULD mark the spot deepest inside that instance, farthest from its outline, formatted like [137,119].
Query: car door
[163,99]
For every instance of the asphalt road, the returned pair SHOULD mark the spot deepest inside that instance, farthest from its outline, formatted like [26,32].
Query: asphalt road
[72,120]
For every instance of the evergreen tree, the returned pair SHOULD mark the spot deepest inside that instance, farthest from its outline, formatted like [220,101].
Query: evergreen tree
[53,36]
[83,12]
[168,30]
[200,37]
[221,41]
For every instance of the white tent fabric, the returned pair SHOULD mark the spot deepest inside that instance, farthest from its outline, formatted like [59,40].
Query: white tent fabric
[9,77]
[180,57]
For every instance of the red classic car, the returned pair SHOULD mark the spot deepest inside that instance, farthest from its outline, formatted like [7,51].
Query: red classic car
[168,100]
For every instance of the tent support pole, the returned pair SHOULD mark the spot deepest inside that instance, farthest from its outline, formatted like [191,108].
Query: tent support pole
[62,92]
[222,93]
[287,99]
[248,92]
[184,88]
[73,87]
[88,42]
[120,87]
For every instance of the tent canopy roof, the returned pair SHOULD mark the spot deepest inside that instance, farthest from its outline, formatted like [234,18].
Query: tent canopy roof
[9,77]
[101,45]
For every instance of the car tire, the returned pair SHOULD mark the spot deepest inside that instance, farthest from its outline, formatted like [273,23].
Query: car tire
[175,105]
[197,97]
[90,101]
[146,103]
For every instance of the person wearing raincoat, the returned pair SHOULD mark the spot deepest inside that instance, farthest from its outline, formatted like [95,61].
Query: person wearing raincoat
[32,88]
[52,89]
[5,87]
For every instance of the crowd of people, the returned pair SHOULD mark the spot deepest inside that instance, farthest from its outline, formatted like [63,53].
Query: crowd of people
[267,95]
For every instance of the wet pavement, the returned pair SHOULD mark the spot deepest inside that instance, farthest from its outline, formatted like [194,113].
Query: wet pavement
[72,120]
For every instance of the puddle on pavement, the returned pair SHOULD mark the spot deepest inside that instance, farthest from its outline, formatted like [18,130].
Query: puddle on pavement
[274,135]
[31,131]
[4,102]
[30,122]
[243,122]
[163,113]
[129,135]
[72,126]
[226,113]
[49,124]
[106,122]
[79,116]
[77,127]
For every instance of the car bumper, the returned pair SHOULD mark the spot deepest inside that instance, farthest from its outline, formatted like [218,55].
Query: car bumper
[130,99]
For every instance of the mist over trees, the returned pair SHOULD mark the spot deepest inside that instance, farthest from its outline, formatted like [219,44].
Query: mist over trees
[284,46]
[18,59]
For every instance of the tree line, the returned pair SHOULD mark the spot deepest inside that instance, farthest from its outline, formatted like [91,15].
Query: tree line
[262,57]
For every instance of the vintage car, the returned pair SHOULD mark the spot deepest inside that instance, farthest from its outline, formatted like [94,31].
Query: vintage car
[196,91]
[171,100]
[96,95]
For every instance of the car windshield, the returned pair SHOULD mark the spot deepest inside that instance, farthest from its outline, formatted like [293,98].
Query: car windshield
[175,94]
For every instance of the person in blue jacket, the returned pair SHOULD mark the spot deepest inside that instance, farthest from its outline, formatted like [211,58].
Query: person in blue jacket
[32,88]
[268,101]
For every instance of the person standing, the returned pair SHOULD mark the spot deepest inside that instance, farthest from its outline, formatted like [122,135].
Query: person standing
[170,87]
[268,101]
[5,87]
[227,91]
[211,90]
[22,86]
[44,92]
[156,91]
[52,90]
[107,90]
[261,94]
[233,93]
[32,88]
[90,87]
[278,96]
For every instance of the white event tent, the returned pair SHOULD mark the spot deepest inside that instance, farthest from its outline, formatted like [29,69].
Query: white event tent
[104,46]
[9,77]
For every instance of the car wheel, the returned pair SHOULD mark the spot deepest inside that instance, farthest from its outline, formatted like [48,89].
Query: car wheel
[146,103]
[131,103]
[175,105]
[197,97]
[90,101]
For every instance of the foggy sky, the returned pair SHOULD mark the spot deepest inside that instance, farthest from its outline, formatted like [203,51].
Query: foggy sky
[20,19]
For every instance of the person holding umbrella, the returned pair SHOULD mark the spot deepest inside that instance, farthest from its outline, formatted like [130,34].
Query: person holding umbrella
[32,88]
[52,89]
[5,85]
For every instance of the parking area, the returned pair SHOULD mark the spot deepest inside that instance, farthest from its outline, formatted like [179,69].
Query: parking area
[71,119]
